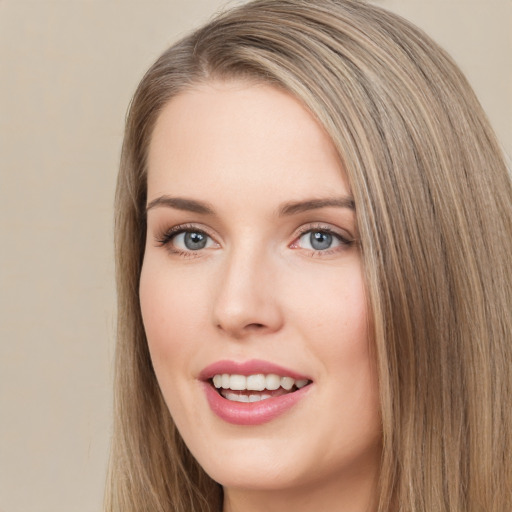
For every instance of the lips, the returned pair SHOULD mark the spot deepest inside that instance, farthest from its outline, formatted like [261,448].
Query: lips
[253,392]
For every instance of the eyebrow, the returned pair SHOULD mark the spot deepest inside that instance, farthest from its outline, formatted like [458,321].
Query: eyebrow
[289,208]
[295,207]
[180,203]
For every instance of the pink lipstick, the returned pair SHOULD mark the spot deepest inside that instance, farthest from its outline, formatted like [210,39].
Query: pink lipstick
[253,392]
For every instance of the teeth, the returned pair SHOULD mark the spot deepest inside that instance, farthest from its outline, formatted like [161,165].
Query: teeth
[257,398]
[235,397]
[273,382]
[301,383]
[237,382]
[256,382]
[287,383]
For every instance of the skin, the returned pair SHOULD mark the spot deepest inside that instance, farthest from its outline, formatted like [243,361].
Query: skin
[260,290]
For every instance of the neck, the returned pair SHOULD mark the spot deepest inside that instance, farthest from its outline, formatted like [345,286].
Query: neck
[353,493]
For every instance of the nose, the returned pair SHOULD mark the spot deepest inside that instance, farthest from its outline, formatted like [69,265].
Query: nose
[247,301]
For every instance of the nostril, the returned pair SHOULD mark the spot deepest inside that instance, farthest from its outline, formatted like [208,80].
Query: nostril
[255,326]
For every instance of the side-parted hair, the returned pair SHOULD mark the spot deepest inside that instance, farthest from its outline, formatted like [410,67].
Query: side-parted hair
[434,211]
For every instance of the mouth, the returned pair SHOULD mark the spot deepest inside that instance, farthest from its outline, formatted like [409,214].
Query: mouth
[255,387]
[252,392]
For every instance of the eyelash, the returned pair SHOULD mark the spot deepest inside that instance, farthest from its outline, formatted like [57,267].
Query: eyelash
[165,239]
[345,242]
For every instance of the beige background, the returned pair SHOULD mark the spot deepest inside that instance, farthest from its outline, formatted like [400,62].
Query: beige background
[68,69]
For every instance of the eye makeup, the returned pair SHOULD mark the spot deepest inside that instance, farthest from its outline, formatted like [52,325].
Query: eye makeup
[317,240]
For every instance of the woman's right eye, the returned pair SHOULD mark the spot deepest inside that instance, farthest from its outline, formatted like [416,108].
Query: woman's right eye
[192,240]
[186,240]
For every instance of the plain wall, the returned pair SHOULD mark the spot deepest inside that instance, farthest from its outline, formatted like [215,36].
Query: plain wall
[68,69]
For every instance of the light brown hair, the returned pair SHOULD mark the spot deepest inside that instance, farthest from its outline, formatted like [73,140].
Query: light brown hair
[433,203]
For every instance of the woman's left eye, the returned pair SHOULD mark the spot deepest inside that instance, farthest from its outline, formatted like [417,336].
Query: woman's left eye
[320,240]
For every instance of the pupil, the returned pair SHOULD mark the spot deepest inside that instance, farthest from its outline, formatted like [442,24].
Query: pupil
[195,241]
[320,240]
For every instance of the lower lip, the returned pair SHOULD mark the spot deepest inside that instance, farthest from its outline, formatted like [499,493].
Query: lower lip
[252,413]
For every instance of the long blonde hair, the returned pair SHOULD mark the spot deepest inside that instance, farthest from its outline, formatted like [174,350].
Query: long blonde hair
[433,202]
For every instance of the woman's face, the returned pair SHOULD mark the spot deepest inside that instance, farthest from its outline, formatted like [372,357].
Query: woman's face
[252,293]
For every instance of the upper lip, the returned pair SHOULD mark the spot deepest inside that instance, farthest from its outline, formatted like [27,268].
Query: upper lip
[251,367]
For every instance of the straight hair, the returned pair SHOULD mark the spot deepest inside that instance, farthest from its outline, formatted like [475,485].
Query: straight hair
[433,205]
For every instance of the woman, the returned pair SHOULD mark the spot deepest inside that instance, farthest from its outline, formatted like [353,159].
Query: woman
[313,235]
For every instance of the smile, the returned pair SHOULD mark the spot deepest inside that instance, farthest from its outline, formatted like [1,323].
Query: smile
[241,388]
[253,392]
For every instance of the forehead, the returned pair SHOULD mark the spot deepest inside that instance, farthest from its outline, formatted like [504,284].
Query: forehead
[241,138]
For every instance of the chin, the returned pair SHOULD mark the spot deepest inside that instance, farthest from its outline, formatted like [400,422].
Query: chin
[283,463]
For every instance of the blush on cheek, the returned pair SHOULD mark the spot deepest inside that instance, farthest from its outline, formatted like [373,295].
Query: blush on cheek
[154,304]
[169,313]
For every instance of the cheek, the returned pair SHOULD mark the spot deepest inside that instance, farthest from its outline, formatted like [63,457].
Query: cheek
[170,307]
[349,365]
[170,312]
[156,301]
[332,313]
[346,343]
[167,287]
[331,303]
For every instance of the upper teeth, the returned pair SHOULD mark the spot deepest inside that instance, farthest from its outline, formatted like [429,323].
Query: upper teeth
[257,382]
